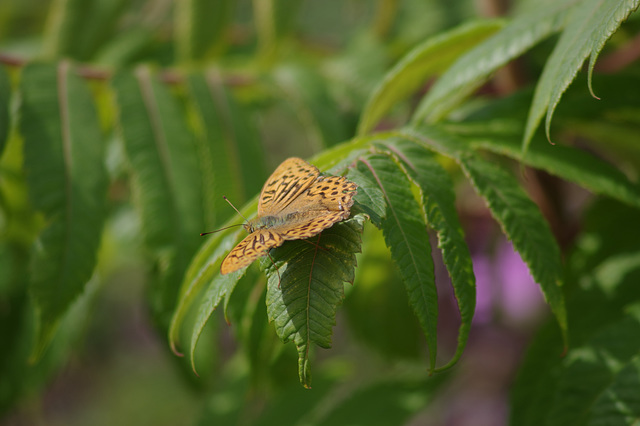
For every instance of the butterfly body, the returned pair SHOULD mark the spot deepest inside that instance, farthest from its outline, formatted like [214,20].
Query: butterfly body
[295,203]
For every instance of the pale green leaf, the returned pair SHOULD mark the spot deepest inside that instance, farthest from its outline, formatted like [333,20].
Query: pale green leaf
[588,26]
[473,68]
[426,60]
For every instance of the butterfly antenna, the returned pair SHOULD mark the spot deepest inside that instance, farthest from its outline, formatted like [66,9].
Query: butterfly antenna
[218,230]
[234,207]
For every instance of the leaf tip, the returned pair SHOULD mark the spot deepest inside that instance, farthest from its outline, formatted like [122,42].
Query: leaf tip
[175,350]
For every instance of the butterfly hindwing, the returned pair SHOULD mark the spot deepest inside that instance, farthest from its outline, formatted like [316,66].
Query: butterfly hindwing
[295,203]
[333,193]
[312,226]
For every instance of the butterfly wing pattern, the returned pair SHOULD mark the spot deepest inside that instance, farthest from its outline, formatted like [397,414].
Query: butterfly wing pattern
[296,202]
[287,182]
[253,246]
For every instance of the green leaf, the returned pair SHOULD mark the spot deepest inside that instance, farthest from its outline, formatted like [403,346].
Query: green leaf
[572,164]
[618,404]
[593,375]
[229,134]
[390,401]
[427,59]
[126,48]
[393,331]
[472,69]
[100,23]
[203,288]
[67,181]
[273,19]
[166,179]
[231,164]
[518,216]
[438,198]
[369,198]
[531,395]
[588,26]
[406,235]
[306,93]
[66,19]
[220,286]
[163,160]
[524,225]
[204,270]
[586,386]
[5,98]
[269,360]
[201,27]
[306,286]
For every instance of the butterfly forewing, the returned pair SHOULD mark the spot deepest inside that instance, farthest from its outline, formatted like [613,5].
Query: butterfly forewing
[287,182]
[255,245]
[295,202]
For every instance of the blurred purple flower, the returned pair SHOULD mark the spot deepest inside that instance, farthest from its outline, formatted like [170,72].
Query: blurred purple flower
[505,287]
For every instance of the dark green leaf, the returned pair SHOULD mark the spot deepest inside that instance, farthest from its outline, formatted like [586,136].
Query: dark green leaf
[618,404]
[376,309]
[306,93]
[439,200]
[306,285]
[406,235]
[273,20]
[229,135]
[126,48]
[587,385]
[223,167]
[67,20]
[204,270]
[99,25]
[5,98]
[531,395]
[63,161]
[166,177]
[524,225]
[201,27]
[369,198]
[591,375]
[220,286]
[391,401]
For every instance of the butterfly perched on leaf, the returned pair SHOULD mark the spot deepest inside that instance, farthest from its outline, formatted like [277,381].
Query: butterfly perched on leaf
[296,202]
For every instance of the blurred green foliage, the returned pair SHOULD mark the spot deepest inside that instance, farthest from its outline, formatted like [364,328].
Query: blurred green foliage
[123,123]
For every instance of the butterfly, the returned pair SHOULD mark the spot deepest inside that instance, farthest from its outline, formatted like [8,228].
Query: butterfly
[296,202]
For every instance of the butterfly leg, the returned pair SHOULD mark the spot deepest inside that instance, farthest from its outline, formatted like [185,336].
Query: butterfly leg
[276,268]
[316,244]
